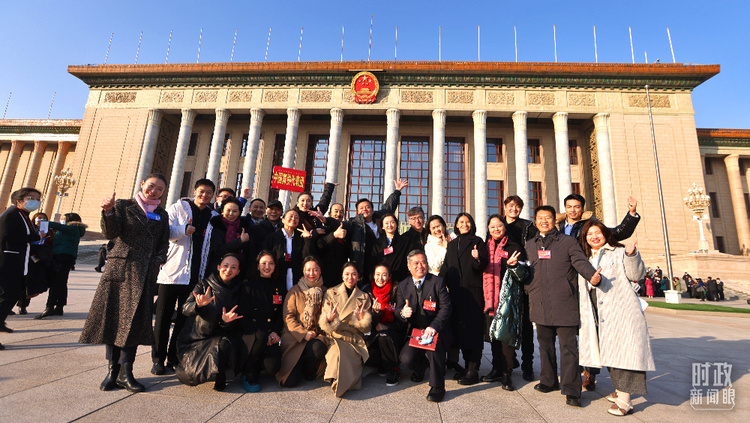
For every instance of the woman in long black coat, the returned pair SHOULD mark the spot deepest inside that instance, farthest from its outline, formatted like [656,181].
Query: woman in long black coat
[289,262]
[465,260]
[261,304]
[16,234]
[41,266]
[209,343]
[393,247]
[226,233]
[120,314]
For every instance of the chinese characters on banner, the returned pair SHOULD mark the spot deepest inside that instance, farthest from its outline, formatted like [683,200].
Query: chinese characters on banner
[288,179]
[712,386]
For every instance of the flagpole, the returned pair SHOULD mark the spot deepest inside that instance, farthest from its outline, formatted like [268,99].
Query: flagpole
[440,44]
[632,53]
[342,43]
[369,47]
[670,46]
[108,46]
[515,41]
[169,45]
[50,105]
[137,52]
[395,48]
[479,49]
[299,53]
[200,38]
[268,43]
[596,52]
[7,103]
[234,42]
[554,36]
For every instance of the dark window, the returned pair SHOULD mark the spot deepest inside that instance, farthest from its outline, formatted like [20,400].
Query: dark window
[278,159]
[708,166]
[576,188]
[243,149]
[186,184]
[226,145]
[495,196]
[238,186]
[366,169]
[535,194]
[193,144]
[747,204]
[534,151]
[315,166]
[720,244]
[455,179]
[415,166]
[714,205]
[494,150]
[573,147]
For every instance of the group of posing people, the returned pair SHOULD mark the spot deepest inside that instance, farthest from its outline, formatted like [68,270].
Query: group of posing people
[301,295]
[711,289]
[36,255]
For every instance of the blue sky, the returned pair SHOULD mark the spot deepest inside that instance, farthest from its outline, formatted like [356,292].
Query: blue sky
[39,39]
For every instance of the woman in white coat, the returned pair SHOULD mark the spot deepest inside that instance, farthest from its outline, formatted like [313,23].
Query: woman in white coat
[613,331]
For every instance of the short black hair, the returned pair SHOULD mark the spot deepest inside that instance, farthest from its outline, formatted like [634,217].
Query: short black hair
[514,198]
[362,200]
[227,189]
[258,199]
[204,182]
[72,217]
[157,176]
[546,208]
[22,193]
[577,197]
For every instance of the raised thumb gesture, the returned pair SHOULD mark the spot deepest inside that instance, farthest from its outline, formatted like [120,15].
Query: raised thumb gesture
[475,253]
[596,278]
[108,203]
[630,248]
[244,236]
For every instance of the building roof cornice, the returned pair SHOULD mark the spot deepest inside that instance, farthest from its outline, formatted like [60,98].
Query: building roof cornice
[717,137]
[42,126]
[482,74]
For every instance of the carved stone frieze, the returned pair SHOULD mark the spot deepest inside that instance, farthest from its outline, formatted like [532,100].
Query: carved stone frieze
[275,96]
[205,96]
[460,97]
[540,99]
[240,96]
[657,101]
[348,96]
[315,96]
[172,96]
[501,98]
[579,99]
[416,96]
[120,97]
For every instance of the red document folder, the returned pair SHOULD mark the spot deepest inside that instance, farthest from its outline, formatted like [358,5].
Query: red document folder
[416,336]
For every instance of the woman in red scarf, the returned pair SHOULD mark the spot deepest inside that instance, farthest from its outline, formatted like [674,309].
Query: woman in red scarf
[503,253]
[386,334]
[226,233]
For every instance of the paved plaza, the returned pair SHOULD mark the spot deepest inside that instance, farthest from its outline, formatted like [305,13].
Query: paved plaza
[47,376]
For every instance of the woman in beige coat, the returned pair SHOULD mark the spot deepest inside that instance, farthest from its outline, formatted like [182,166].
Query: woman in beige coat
[613,331]
[303,345]
[345,318]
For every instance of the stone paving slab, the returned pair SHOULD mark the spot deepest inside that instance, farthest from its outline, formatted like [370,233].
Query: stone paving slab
[45,375]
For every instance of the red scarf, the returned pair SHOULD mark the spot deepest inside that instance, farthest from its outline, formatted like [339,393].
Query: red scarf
[383,295]
[233,229]
[492,276]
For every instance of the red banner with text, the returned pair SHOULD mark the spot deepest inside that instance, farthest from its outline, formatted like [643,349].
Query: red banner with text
[288,179]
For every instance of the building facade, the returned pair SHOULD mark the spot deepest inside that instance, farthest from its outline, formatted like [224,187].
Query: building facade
[465,135]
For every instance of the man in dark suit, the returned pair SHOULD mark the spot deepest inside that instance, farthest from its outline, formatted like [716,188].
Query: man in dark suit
[423,303]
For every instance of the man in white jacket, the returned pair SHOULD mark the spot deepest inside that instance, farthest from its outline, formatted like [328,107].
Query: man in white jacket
[188,220]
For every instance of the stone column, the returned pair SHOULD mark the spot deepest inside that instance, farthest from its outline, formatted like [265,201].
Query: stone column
[437,172]
[217,145]
[9,174]
[562,151]
[149,147]
[738,202]
[391,152]
[62,153]
[36,160]
[251,154]
[290,147]
[334,145]
[178,167]
[606,173]
[480,171]
[522,161]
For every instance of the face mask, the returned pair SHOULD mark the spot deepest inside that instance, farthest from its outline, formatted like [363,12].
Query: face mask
[32,205]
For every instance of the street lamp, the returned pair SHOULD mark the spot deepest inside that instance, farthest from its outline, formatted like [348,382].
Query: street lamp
[64,182]
[697,202]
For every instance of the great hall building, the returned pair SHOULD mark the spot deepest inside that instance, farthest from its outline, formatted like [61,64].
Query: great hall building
[465,135]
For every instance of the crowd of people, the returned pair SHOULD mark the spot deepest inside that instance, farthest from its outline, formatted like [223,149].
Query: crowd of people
[299,295]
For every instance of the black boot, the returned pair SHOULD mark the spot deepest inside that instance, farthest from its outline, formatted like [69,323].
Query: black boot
[221,381]
[460,370]
[126,380]
[493,376]
[472,374]
[58,310]
[507,381]
[49,311]
[109,383]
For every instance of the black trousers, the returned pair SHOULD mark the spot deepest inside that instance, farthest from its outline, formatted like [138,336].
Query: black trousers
[527,338]
[307,366]
[570,377]
[101,257]
[11,290]
[413,359]
[170,296]
[58,287]
[260,355]
[384,351]
[120,355]
[502,356]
